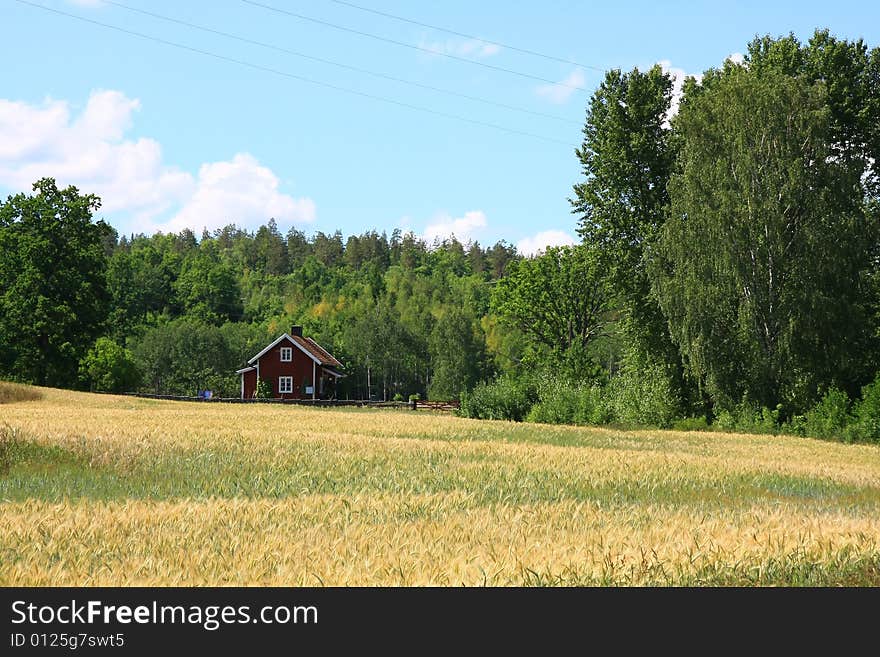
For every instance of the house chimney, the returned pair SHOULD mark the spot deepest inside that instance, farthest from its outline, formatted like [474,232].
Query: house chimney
[296,330]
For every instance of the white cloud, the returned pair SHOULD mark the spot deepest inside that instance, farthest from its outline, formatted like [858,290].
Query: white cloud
[678,77]
[459,48]
[239,191]
[737,58]
[89,152]
[530,246]
[463,228]
[561,91]
[138,190]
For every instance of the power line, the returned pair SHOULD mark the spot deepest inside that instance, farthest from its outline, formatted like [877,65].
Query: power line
[465,35]
[403,44]
[294,76]
[357,69]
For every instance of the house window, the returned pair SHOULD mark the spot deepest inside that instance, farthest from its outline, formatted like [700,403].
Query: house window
[286,354]
[285,384]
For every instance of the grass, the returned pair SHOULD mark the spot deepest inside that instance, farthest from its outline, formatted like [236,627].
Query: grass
[104,490]
[15,392]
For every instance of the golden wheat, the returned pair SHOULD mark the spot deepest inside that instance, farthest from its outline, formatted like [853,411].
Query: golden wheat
[122,491]
[14,392]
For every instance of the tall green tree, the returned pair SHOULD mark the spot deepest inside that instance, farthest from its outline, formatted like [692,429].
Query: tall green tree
[271,249]
[186,355]
[559,299]
[298,248]
[207,287]
[386,356]
[627,156]
[850,74]
[759,264]
[109,367]
[328,249]
[457,355]
[139,283]
[53,291]
[626,159]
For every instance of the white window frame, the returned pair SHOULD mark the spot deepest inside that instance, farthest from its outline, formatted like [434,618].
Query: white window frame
[286,351]
[285,389]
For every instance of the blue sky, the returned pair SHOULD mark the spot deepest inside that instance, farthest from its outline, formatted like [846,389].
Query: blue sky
[171,138]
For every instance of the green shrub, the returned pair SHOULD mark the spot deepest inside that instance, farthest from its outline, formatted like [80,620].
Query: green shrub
[560,402]
[644,395]
[397,397]
[691,424]
[264,389]
[749,418]
[725,420]
[796,426]
[767,421]
[867,413]
[109,367]
[830,417]
[557,403]
[594,406]
[834,417]
[505,398]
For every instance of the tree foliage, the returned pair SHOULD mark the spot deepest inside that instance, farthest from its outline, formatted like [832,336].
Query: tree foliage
[850,75]
[207,288]
[183,356]
[108,367]
[559,299]
[730,266]
[758,265]
[53,292]
[457,354]
[627,157]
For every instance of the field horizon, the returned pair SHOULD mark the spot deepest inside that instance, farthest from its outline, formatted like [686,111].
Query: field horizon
[122,491]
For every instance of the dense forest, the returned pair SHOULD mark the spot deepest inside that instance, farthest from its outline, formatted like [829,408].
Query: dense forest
[173,313]
[729,273]
[179,313]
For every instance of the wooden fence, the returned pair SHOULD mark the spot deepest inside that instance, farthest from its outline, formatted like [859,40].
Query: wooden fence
[451,405]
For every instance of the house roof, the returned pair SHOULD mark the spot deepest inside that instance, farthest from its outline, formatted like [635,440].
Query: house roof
[308,346]
[324,357]
[333,372]
[244,369]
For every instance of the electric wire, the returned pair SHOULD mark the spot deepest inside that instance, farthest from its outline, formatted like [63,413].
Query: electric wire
[412,46]
[331,62]
[294,76]
[464,35]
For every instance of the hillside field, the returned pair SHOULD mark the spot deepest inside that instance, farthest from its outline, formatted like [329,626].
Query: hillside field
[106,490]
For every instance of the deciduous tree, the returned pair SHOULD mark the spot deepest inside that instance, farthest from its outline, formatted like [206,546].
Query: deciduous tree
[53,291]
[760,261]
[559,299]
[109,367]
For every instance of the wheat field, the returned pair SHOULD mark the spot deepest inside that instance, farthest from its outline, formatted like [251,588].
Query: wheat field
[106,490]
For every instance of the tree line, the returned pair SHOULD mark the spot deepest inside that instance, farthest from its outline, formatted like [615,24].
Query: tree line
[729,272]
[173,314]
[734,242]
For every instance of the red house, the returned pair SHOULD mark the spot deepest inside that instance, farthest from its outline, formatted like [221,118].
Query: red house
[296,367]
